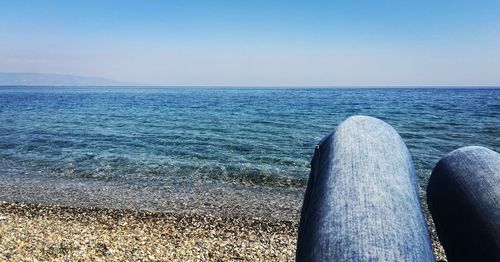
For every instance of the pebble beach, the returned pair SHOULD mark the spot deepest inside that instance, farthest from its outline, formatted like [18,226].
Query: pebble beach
[30,232]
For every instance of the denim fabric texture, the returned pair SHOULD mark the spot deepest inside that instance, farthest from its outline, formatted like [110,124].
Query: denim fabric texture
[463,195]
[361,202]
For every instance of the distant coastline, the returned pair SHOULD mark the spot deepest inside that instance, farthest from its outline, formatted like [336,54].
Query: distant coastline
[39,79]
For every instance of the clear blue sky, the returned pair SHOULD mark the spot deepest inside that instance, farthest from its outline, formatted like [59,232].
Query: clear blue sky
[263,43]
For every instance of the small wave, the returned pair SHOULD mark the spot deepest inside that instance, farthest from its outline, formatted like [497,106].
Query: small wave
[96,168]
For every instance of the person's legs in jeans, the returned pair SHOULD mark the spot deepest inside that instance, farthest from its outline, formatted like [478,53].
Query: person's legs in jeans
[361,202]
[463,195]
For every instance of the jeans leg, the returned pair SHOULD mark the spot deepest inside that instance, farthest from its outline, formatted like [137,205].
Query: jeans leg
[361,202]
[463,195]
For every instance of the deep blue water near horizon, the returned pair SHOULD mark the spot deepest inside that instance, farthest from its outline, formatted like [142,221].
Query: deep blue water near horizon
[244,137]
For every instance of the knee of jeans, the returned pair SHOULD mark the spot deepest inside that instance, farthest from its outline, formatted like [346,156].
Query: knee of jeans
[451,166]
[356,132]
[468,153]
[358,119]
[361,121]
[366,125]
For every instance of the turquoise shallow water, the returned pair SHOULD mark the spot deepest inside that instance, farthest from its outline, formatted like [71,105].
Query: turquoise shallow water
[238,138]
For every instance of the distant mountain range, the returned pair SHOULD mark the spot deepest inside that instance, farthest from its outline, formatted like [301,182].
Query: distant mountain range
[37,79]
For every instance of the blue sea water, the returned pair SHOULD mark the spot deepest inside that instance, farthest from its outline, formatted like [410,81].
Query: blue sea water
[239,137]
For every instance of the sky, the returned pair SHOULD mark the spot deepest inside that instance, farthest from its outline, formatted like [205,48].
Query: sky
[256,43]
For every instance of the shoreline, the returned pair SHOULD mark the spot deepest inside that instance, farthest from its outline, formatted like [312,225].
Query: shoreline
[183,195]
[55,232]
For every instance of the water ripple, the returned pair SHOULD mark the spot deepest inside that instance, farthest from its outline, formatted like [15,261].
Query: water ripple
[236,136]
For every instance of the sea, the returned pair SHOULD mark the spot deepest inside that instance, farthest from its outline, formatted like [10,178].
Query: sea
[232,151]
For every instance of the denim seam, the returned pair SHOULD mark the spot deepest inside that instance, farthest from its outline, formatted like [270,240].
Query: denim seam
[313,174]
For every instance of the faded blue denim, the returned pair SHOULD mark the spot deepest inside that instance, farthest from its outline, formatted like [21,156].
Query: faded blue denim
[361,202]
[464,199]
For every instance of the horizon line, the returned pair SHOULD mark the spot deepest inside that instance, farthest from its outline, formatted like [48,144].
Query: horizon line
[266,86]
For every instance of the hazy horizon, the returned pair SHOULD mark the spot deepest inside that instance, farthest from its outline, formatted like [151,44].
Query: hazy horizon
[258,43]
[54,80]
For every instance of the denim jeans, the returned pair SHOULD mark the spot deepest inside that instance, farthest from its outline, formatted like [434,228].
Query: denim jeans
[361,201]
[464,199]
